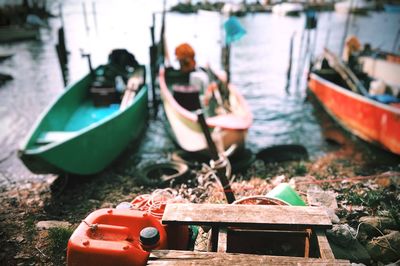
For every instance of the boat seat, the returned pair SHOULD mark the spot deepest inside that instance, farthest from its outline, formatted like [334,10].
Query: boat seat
[54,136]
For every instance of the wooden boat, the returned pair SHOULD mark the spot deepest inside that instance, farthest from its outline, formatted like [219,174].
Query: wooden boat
[288,9]
[354,6]
[372,121]
[226,129]
[75,135]
[4,57]
[391,8]
[18,33]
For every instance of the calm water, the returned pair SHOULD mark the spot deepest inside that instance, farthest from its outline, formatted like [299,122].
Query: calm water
[259,64]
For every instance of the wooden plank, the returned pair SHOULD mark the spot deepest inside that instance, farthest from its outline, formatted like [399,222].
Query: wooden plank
[132,87]
[175,257]
[271,216]
[222,240]
[213,243]
[307,244]
[325,250]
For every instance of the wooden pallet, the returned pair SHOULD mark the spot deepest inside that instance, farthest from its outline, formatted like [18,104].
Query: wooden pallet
[227,222]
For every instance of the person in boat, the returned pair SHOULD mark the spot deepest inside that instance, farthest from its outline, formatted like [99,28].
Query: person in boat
[191,81]
[185,55]
[351,51]
[184,92]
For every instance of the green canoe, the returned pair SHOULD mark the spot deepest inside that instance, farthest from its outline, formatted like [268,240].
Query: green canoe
[78,137]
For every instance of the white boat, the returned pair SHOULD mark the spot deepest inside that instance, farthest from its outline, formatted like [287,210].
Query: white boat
[288,9]
[18,33]
[354,6]
[226,128]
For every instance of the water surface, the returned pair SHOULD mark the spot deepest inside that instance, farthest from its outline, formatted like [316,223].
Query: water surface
[259,65]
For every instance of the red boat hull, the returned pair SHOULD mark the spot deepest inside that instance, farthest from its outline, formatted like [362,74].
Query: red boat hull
[372,121]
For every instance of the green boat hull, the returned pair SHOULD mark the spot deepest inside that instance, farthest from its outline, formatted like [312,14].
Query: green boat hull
[88,138]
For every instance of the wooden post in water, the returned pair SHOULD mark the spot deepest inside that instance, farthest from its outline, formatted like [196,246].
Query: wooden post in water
[346,28]
[88,56]
[226,53]
[94,15]
[230,197]
[396,41]
[289,71]
[62,54]
[85,17]
[63,64]
[153,50]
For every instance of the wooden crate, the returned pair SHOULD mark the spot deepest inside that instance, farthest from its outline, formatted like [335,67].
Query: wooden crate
[248,229]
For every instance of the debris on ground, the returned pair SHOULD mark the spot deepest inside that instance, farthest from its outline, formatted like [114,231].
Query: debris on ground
[364,204]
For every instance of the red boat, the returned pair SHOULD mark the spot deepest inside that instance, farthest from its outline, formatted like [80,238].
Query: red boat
[373,121]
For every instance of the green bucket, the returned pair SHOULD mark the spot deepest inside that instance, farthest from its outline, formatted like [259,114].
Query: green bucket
[285,193]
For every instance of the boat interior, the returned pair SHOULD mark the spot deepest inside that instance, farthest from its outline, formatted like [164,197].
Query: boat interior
[386,95]
[89,101]
[332,76]
[193,94]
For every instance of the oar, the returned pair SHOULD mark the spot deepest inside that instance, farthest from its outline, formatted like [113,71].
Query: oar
[222,96]
[132,87]
[230,197]
[347,75]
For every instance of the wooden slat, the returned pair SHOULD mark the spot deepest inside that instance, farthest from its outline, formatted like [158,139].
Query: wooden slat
[132,87]
[323,244]
[174,257]
[270,216]
[213,243]
[307,244]
[222,240]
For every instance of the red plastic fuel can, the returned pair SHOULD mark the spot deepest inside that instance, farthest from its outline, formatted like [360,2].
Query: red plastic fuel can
[112,237]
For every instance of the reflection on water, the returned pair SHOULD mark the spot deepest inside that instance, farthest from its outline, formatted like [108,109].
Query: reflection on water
[259,64]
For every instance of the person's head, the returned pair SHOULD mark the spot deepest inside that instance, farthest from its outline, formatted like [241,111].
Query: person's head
[353,43]
[185,55]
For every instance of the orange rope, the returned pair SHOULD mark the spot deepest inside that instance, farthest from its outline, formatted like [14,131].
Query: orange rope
[155,202]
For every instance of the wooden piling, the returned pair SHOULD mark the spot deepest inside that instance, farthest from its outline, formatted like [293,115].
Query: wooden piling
[289,71]
[63,64]
[226,55]
[153,50]
[89,59]
[94,15]
[62,54]
[85,17]
[396,40]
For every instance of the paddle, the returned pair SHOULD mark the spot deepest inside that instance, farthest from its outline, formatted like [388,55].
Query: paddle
[222,95]
[347,75]
[132,87]
[230,197]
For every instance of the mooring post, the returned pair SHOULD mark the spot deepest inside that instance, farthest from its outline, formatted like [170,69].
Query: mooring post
[153,50]
[88,56]
[62,54]
[85,17]
[230,197]
[63,65]
[289,71]
[94,15]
